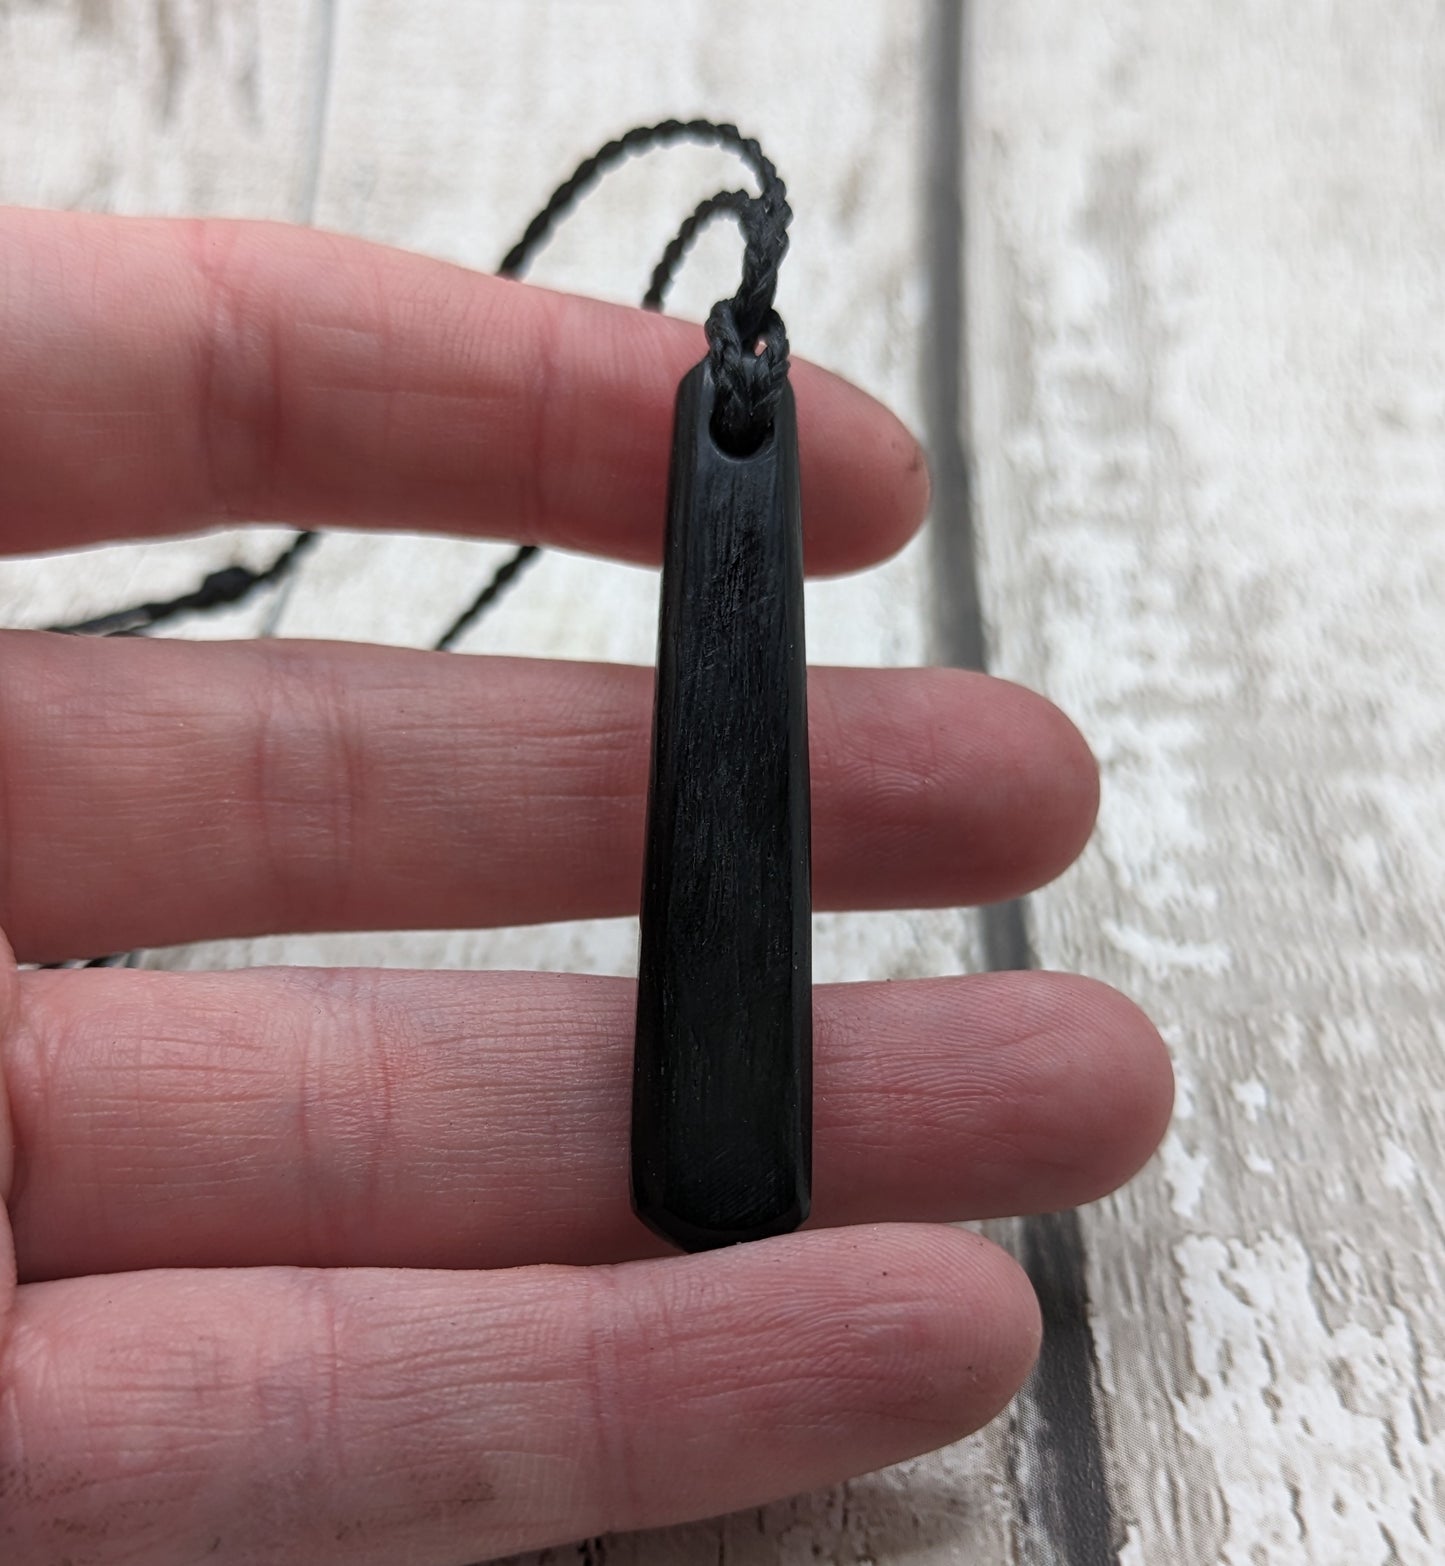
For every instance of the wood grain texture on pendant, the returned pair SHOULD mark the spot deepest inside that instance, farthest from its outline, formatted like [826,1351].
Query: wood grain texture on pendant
[722,1082]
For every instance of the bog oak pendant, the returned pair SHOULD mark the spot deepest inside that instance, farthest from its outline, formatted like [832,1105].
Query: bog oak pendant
[722,1084]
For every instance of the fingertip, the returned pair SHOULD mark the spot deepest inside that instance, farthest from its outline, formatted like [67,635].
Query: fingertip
[993,1340]
[1135,1099]
[1078,779]
[948,785]
[1103,1091]
[941,1330]
[9,1005]
[866,486]
[1045,779]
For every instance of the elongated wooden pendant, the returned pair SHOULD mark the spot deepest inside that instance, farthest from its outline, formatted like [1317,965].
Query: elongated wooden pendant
[722,1084]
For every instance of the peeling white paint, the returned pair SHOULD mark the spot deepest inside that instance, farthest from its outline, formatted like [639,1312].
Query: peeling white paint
[1398,1169]
[1252,1096]
[1327,1459]
[1158,955]
[1185,1172]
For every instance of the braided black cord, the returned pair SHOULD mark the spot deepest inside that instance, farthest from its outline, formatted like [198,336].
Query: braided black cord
[746,340]
[726,201]
[749,382]
[229,586]
[115,960]
[502,579]
[663,275]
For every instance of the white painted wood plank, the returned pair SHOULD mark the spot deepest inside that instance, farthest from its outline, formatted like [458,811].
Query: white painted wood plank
[1208,308]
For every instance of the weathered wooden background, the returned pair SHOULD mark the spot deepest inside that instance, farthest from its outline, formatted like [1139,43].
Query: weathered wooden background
[1180,353]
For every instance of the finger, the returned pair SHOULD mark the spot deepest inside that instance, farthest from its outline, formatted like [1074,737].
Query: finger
[9,1014]
[160,376]
[365,1416]
[157,792]
[445,1119]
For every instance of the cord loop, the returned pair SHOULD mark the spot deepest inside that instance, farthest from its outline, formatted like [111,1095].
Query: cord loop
[747,344]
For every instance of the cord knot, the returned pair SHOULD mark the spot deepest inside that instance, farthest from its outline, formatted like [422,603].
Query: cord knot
[747,344]
[749,372]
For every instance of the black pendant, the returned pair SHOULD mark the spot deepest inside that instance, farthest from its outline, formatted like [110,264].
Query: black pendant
[722,1085]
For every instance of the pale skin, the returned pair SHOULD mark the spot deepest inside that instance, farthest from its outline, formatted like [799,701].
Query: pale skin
[338,1266]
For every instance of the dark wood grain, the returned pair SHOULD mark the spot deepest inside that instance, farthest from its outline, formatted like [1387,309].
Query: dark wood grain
[723,1070]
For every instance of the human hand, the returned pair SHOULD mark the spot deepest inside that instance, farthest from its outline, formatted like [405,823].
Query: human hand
[338,1266]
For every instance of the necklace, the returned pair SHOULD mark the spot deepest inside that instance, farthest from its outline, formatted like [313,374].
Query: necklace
[722,1072]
